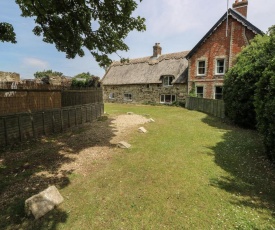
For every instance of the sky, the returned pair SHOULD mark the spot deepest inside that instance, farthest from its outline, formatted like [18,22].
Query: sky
[177,25]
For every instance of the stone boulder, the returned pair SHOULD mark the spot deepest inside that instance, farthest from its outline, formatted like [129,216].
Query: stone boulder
[43,202]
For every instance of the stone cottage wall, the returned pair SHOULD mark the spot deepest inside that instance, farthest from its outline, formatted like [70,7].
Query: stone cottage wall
[9,77]
[147,93]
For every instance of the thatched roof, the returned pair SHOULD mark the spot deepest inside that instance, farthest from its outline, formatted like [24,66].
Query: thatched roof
[148,70]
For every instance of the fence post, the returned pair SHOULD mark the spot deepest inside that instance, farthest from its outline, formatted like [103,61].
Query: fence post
[19,128]
[43,118]
[81,114]
[33,130]
[61,118]
[6,131]
[75,117]
[69,120]
[53,121]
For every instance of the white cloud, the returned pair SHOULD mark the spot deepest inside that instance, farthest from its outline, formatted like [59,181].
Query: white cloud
[35,62]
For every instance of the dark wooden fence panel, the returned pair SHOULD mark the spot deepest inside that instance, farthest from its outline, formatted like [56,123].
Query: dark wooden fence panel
[25,126]
[210,106]
[81,97]
[32,100]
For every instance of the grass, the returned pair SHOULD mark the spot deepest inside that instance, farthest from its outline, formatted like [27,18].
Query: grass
[190,171]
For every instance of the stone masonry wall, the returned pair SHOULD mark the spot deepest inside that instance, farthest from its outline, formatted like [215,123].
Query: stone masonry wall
[147,93]
[9,77]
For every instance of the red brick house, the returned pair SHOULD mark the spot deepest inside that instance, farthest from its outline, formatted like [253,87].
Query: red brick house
[210,59]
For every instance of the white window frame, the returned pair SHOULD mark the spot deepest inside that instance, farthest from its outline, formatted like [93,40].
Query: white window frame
[217,66]
[112,95]
[169,82]
[198,67]
[215,87]
[164,101]
[128,97]
[200,86]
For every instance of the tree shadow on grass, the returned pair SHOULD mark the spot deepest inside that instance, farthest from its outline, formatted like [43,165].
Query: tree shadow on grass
[29,168]
[251,176]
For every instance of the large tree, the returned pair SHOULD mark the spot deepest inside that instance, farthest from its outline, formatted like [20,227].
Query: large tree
[72,25]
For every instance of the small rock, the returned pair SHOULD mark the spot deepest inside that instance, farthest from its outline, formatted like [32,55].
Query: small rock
[142,130]
[123,145]
[43,202]
[130,113]
[151,120]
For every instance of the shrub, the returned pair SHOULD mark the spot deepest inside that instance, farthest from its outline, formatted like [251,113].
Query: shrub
[240,83]
[85,80]
[265,102]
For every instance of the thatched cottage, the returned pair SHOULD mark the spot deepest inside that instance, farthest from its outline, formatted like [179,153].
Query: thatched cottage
[155,79]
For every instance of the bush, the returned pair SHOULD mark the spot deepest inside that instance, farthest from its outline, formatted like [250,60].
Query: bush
[85,80]
[265,102]
[240,83]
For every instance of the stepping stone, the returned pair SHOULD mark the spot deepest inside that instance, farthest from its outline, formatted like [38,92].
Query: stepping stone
[43,202]
[123,145]
[151,120]
[142,130]
[130,113]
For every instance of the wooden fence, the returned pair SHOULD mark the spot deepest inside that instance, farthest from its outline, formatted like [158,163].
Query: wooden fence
[24,126]
[210,106]
[31,99]
[31,110]
[80,97]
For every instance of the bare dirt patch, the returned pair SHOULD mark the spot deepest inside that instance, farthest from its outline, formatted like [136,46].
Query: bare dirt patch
[30,168]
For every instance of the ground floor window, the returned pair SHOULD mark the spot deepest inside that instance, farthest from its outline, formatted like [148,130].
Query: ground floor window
[167,98]
[218,92]
[112,96]
[199,91]
[127,97]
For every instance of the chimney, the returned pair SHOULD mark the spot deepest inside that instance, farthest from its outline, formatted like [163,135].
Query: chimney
[156,50]
[241,7]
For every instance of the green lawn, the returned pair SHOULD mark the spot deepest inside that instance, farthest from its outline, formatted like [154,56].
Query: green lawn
[190,171]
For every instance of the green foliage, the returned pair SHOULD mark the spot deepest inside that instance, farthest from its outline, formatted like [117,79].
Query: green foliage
[179,104]
[85,80]
[7,33]
[72,25]
[265,101]
[240,80]
[249,89]
[192,92]
[46,73]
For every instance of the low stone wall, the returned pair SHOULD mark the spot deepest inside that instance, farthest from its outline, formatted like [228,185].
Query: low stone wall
[149,93]
[9,77]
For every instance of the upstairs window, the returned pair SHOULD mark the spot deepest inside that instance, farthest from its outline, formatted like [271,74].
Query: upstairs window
[201,68]
[127,97]
[220,66]
[167,80]
[199,91]
[218,92]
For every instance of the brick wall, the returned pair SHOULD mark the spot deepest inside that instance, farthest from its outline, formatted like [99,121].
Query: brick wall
[218,45]
[143,93]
